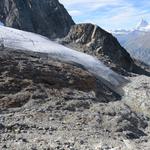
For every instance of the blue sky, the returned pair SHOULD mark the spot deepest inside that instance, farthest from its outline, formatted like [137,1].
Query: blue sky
[109,14]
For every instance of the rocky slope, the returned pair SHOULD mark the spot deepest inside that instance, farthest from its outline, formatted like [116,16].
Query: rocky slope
[95,41]
[53,105]
[46,17]
[47,104]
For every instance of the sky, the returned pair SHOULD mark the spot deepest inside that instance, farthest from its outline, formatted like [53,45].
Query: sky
[109,14]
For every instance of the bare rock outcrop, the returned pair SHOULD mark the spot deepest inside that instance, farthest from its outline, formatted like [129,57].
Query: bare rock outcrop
[46,17]
[95,41]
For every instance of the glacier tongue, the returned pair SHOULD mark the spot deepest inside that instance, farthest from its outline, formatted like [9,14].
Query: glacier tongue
[17,39]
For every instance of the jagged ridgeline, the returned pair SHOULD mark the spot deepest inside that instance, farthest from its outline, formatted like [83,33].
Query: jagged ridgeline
[95,41]
[46,17]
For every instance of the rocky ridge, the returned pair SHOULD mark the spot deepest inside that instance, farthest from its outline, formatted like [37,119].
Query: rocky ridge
[95,41]
[48,18]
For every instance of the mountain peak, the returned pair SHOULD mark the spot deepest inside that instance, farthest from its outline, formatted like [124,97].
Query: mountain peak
[142,24]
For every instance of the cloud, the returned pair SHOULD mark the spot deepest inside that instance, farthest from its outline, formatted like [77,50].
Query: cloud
[109,14]
[75,12]
[92,4]
[89,5]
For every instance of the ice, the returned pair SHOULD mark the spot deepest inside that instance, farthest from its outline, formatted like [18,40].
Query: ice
[17,39]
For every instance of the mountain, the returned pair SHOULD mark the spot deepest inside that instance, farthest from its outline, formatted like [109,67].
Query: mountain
[51,82]
[136,41]
[142,24]
[43,98]
[93,40]
[48,18]
[55,98]
[61,103]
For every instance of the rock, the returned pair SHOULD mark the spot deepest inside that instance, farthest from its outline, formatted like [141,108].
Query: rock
[46,17]
[95,41]
[119,118]
[138,94]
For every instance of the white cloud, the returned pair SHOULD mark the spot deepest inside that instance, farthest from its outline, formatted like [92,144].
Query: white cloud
[84,7]
[90,5]
[75,12]
[108,13]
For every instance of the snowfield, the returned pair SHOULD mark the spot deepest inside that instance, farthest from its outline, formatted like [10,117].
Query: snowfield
[17,39]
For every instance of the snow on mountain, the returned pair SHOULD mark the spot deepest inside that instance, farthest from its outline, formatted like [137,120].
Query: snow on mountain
[136,41]
[142,24]
[22,40]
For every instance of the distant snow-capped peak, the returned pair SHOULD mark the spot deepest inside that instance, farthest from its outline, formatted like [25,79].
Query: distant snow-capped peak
[135,41]
[142,24]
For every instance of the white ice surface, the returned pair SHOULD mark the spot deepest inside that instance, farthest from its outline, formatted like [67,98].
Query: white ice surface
[17,39]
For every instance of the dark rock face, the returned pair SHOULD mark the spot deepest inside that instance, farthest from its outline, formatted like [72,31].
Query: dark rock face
[95,41]
[46,17]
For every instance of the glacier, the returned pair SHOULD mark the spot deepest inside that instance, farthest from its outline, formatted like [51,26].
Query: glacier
[21,40]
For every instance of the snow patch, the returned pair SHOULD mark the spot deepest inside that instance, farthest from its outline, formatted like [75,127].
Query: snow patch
[22,40]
